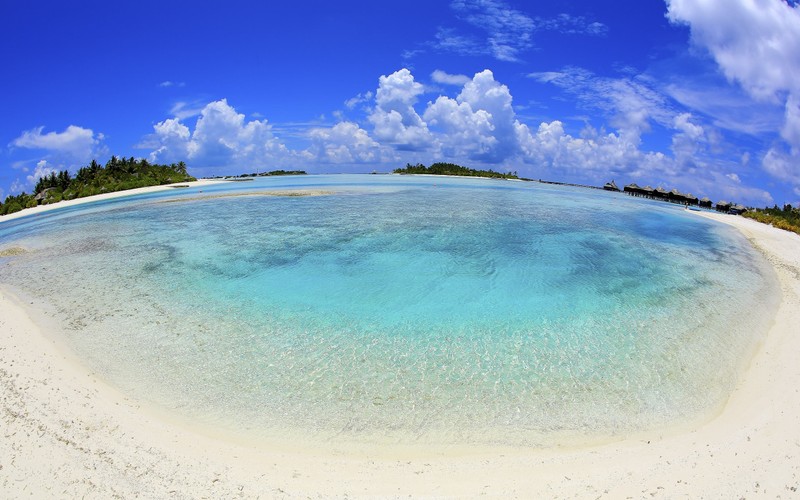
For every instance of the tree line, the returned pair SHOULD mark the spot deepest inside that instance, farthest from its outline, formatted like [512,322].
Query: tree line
[440,168]
[118,174]
[787,218]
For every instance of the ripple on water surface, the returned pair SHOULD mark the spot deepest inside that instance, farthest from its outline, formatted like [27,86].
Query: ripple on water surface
[402,310]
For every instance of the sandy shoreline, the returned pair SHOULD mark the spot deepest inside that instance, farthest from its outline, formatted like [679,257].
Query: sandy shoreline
[67,434]
[100,197]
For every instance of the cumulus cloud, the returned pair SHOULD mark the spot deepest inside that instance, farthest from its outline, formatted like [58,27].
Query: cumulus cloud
[479,123]
[42,169]
[345,143]
[76,142]
[221,137]
[394,118]
[757,45]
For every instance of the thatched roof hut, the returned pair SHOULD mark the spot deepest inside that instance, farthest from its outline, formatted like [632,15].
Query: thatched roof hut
[691,199]
[632,188]
[611,186]
[737,209]
[723,206]
[660,192]
[705,202]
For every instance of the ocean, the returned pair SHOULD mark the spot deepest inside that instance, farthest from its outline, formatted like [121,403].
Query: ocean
[400,310]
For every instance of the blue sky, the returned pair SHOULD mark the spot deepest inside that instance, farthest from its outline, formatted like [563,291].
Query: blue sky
[702,96]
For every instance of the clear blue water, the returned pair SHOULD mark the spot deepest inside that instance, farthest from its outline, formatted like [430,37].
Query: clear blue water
[395,309]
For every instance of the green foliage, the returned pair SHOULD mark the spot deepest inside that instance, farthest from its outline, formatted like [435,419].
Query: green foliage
[118,174]
[262,174]
[787,218]
[453,169]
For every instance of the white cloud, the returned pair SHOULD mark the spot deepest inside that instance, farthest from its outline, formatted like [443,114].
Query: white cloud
[508,31]
[631,103]
[682,122]
[479,127]
[731,108]
[183,110]
[345,143]
[756,43]
[447,39]
[76,142]
[221,137]
[571,25]
[42,170]
[358,99]
[479,123]
[171,141]
[783,166]
[394,118]
[442,77]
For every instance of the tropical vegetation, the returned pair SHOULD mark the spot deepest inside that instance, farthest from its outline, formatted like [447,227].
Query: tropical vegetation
[262,174]
[118,174]
[787,218]
[453,169]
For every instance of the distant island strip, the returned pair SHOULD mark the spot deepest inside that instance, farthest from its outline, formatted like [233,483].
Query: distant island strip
[120,174]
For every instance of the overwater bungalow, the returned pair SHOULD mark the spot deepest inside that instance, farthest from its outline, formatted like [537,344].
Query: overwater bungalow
[611,186]
[660,193]
[647,191]
[676,196]
[705,202]
[737,209]
[723,206]
[691,199]
[632,189]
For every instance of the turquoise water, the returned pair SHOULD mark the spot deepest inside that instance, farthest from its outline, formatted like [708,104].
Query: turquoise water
[397,309]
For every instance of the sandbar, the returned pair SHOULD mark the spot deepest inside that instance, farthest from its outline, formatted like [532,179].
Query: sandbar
[66,433]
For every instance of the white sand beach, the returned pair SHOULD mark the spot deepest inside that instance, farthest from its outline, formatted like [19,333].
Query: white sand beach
[100,197]
[67,434]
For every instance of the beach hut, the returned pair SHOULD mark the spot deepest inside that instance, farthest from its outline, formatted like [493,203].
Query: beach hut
[660,193]
[632,189]
[611,186]
[647,191]
[723,206]
[737,209]
[691,199]
[676,196]
[705,202]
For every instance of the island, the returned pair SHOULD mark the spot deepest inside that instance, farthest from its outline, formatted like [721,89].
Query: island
[118,174]
[260,174]
[452,169]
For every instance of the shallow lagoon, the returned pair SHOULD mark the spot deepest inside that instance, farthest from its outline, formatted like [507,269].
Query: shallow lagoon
[395,309]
